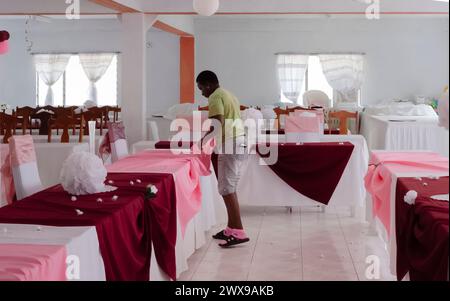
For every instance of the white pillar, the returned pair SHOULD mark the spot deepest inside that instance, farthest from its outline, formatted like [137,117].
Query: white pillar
[133,77]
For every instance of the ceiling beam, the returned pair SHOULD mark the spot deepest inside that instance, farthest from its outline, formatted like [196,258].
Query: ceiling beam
[115,5]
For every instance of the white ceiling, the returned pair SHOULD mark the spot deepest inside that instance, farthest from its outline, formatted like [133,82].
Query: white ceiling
[227,6]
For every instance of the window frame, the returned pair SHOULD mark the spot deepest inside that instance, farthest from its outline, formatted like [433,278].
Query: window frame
[64,82]
[284,99]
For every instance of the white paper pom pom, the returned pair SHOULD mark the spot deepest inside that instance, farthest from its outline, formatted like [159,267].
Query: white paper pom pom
[110,182]
[99,200]
[138,181]
[84,173]
[410,197]
[79,212]
[131,183]
[115,198]
[73,198]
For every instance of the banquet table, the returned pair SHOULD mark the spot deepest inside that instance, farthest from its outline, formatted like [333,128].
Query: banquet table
[261,186]
[382,181]
[405,133]
[127,223]
[195,194]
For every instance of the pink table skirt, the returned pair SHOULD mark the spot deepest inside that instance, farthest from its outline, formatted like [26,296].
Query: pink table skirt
[21,262]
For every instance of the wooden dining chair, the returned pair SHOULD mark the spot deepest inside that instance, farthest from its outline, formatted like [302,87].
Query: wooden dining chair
[342,118]
[94,114]
[65,123]
[23,115]
[279,111]
[8,124]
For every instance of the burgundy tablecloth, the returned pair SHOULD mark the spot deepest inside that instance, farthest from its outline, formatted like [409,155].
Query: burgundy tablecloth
[313,169]
[422,230]
[124,227]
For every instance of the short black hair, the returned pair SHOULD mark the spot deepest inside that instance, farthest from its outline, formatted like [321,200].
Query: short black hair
[207,77]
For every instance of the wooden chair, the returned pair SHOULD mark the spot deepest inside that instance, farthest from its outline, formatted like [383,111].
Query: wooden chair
[279,111]
[8,124]
[64,122]
[343,117]
[23,115]
[94,114]
[298,108]
[116,111]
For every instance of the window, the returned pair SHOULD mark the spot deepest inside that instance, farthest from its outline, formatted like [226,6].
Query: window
[72,89]
[314,80]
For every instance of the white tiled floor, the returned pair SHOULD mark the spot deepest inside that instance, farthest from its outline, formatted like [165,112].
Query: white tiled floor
[306,244]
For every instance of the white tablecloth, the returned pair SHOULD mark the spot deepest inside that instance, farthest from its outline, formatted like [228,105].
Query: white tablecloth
[81,242]
[260,186]
[405,133]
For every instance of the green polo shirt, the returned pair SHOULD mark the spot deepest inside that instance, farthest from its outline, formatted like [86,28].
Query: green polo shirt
[222,102]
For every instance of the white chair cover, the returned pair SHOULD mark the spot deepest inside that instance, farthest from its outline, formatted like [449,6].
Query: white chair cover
[24,166]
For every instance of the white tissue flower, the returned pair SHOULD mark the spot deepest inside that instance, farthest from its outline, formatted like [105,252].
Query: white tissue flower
[410,197]
[84,173]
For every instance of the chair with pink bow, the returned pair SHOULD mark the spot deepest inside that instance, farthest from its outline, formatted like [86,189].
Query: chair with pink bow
[115,142]
[24,166]
[302,127]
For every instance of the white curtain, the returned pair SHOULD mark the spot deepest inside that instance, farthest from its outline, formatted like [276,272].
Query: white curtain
[291,71]
[95,66]
[50,67]
[344,73]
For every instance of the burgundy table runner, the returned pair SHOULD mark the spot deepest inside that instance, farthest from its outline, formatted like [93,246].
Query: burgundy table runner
[125,227]
[422,230]
[312,169]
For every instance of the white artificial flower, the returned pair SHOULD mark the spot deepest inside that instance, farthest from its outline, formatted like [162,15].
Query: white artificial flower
[410,197]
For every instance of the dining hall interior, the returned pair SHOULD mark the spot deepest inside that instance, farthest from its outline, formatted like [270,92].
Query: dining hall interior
[116,117]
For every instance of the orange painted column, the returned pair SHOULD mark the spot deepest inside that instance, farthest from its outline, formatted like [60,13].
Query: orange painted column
[187,69]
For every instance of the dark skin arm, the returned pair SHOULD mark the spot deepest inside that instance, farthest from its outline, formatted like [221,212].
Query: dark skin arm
[220,118]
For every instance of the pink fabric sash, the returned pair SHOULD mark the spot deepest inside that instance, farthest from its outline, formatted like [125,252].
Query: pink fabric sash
[116,131]
[7,190]
[186,168]
[22,150]
[302,124]
[21,262]
[378,180]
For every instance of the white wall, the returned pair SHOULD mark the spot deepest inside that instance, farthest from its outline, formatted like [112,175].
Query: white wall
[163,67]
[17,73]
[404,56]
